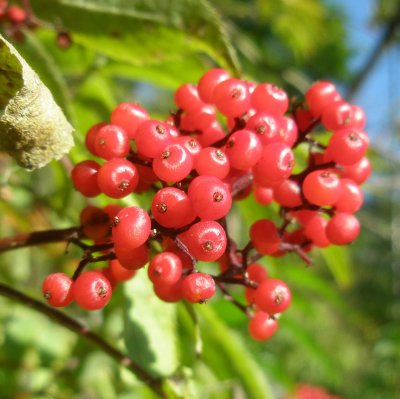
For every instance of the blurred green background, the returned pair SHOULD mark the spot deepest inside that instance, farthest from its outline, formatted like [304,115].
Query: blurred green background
[342,331]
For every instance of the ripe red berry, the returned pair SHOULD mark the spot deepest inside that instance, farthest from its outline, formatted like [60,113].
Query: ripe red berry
[273,296]
[57,289]
[131,227]
[16,14]
[151,138]
[212,161]
[173,164]
[92,290]
[119,272]
[171,207]
[322,187]
[347,146]
[168,292]
[266,126]
[205,240]
[315,230]
[165,268]
[265,237]
[244,149]
[275,165]
[262,326]
[351,197]
[84,178]
[343,228]
[358,172]
[320,96]
[187,97]
[270,98]
[129,116]
[232,97]
[132,258]
[288,194]
[117,178]
[210,198]
[198,287]
[208,83]
[111,141]
[90,138]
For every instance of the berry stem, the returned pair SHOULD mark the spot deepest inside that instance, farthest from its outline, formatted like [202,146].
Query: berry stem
[84,332]
[40,238]
[231,299]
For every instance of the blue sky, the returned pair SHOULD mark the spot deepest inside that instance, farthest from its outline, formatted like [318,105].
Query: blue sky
[380,93]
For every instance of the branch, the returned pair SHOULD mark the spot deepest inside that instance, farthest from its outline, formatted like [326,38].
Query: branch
[376,53]
[83,332]
[39,238]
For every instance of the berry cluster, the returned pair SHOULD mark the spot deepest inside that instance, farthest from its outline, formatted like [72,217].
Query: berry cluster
[195,166]
[14,18]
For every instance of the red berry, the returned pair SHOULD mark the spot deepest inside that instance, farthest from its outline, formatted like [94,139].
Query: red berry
[117,178]
[173,164]
[171,207]
[129,116]
[205,240]
[273,296]
[347,146]
[151,138]
[232,97]
[84,178]
[212,161]
[208,83]
[266,126]
[119,272]
[315,230]
[165,268]
[288,194]
[131,228]
[111,141]
[95,222]
[265,237]
[92,290]
[187,97]
[351,197]
[198,287]
[210,198]
[358,172]
[322,187]
[343,228]
[320,96]
[244,149]
[262,326]
[270,98]
[132,258]
[57,289]
[275,165]
[16,14]
[90,138]
[169,292]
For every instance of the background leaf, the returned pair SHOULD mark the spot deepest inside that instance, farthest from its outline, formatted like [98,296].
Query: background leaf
[150,328]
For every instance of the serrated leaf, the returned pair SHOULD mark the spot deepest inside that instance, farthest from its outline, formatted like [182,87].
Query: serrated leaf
[33,129]
[150,328]
[143,32]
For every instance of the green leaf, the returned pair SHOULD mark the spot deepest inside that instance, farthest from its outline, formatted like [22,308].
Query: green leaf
[143,32]
[339,262]
[150,328]
[225,352]
[33,128]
